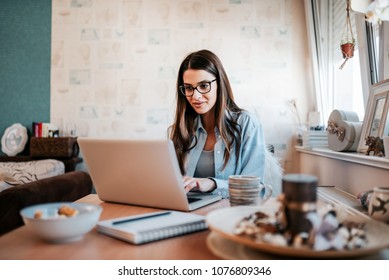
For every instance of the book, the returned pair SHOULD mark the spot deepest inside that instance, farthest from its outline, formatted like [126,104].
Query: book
[154,226]
[315,139]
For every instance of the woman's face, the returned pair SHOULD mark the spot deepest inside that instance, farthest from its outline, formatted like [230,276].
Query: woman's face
[201,103]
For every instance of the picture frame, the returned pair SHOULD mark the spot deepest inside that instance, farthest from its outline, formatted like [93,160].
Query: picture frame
[376,122]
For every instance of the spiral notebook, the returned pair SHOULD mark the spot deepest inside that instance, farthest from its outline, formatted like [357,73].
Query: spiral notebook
[149,227]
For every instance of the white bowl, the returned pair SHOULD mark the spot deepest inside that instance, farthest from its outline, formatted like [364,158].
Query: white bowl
[56,229]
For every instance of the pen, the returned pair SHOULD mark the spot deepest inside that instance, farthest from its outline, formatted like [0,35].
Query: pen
[141,218]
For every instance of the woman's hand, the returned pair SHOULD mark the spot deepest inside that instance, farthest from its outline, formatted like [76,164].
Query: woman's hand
[199,184]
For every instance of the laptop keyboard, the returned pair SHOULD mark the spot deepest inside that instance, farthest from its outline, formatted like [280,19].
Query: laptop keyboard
[192,199]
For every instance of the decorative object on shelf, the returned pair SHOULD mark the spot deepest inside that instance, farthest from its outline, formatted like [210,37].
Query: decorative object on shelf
[14,139]
[375,145]
[347,43]
[375,122]
[379,204]
[57,147]
[385,139]
[315,139]
[343,131]
[301,128]
[334,129]
[364,198]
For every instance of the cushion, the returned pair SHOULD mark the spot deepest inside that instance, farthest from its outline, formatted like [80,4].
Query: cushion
[273,173]
[6,180]
[29,171]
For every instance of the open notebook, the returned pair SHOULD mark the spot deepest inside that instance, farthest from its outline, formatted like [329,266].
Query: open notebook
[145,228]
[139,172]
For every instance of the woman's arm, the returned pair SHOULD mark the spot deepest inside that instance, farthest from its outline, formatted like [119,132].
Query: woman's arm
[251,155]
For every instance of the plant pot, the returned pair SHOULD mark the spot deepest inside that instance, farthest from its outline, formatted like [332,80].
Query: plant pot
[347,50]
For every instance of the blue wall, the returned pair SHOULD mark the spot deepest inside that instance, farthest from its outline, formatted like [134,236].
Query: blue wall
[25,48]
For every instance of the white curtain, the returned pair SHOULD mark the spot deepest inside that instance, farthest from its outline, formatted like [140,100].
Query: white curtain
[318,16]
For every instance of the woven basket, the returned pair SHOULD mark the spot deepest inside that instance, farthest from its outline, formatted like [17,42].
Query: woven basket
[61,147]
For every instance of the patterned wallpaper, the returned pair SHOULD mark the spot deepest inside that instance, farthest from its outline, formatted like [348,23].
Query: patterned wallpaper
[114,63]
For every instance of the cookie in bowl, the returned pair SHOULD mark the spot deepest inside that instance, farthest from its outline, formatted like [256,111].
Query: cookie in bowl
[61,222]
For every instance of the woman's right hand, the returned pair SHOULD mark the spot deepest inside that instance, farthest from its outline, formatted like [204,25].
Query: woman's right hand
[199,184]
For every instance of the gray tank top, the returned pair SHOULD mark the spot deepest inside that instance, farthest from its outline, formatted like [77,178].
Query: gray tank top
[206,165]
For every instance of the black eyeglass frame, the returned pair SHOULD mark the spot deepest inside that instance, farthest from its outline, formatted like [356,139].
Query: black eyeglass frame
[182,88]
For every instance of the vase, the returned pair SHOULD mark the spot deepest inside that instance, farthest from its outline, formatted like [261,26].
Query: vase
[378,207]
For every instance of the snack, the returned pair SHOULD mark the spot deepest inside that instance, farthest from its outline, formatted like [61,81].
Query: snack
[67,211]
[38,214]
[329,231]
[64,211]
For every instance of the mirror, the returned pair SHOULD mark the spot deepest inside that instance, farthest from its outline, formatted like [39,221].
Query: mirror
[376,117]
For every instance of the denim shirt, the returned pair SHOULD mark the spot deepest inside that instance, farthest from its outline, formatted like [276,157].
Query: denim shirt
[252,153]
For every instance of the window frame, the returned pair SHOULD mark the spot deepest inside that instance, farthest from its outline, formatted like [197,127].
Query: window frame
[364,57]
[369,72]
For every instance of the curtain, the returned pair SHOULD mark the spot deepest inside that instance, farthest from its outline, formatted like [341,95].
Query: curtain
[318,17]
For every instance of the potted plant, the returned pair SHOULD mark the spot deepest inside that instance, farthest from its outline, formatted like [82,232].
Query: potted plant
[347,43]
[347,47]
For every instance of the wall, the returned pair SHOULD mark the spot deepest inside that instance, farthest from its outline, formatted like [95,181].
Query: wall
[114,63]
[25,38]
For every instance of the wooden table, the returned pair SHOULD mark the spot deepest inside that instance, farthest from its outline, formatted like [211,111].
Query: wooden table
[22,244]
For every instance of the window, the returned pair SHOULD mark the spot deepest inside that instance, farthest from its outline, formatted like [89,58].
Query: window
[347,88]
[373,41]
[377,45]
[347,84]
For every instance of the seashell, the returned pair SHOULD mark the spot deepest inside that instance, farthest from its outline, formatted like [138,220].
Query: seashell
[300,240]
[344,232]
[329,224]
[275,239]
[321,243]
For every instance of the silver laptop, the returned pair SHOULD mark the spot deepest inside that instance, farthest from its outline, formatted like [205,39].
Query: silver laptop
[139,172]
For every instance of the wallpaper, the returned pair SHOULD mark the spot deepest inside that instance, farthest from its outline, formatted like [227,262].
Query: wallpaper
[114,63]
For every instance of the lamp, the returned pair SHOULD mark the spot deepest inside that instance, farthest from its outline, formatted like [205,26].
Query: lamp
[375,11]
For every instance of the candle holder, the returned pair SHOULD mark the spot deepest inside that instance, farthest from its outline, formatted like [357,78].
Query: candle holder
[298,199]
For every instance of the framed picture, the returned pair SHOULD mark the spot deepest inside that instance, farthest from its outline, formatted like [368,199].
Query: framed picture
[376,121]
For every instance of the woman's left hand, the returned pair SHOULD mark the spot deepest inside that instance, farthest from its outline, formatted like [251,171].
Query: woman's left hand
[199,184]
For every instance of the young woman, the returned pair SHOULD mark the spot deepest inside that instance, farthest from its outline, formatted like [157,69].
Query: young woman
[213,137]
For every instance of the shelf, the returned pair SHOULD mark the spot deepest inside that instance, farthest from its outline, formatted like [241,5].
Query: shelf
[374,161]
[334,195]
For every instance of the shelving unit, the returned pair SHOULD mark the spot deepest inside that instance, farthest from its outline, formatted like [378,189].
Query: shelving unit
[348,171]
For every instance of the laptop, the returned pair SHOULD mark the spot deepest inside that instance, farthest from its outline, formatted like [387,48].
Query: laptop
[139,172]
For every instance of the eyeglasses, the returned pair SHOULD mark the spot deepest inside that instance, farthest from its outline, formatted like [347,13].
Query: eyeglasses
[202,88]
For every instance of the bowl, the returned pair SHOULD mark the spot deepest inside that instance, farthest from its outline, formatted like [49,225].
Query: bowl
[56,228]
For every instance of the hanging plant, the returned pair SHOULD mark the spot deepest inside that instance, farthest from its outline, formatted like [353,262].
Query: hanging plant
[347,43]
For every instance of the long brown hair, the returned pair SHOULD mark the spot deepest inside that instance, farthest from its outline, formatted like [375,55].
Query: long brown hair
[182,132]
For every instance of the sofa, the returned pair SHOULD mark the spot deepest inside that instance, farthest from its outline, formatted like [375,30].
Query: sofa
[43,185]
